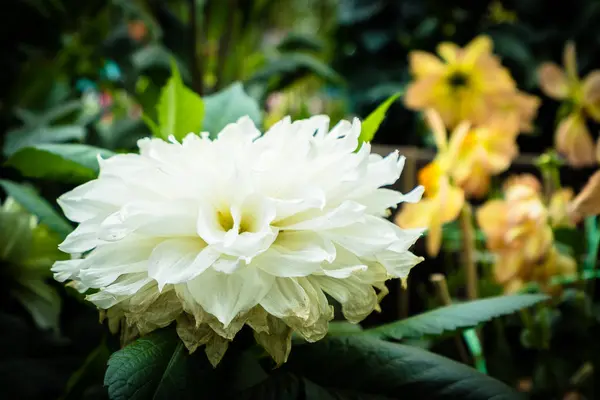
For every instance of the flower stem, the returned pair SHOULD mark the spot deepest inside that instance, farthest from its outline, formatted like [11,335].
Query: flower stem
[468,237]
[441,287]
[196,65]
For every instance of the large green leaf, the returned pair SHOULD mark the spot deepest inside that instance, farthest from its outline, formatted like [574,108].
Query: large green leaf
[456,316]
[372,122]
[287,386]
[157,57]
[375,367]
[180,110]
[66,162]
[300,42]
[52,126]
[289,67]
[89,374]
[40,300]
[158,366]
[228,106]
[279,386]
[25,137]
[36,205]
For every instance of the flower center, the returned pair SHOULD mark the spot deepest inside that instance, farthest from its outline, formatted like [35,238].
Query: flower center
[225,220]
[247,222]
[458,80]
[429,177]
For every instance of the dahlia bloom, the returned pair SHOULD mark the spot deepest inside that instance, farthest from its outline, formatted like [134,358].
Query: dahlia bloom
[572,137]
[240,230]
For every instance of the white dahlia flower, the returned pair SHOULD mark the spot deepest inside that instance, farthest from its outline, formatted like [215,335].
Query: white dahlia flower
[240,230]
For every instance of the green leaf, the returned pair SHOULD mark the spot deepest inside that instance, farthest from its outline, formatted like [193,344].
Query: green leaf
[228,106]
[88,374]
[36,205]
[287,386]
[180,110]
[37,127]
[592,234]
[158,366]
[284,70]
[65,162]
[456,316]
[343,328]
[156,56]
[372,122]
[375,367]
[24,137]
[279,386]
[40,300]
[301,42]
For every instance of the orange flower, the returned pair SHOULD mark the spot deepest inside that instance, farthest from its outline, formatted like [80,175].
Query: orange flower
[460,85]
[443,201]
[572,136]
[519,233]
[137,30]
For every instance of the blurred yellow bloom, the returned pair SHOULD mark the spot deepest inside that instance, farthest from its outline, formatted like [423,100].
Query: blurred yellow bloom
[572,136]
[443,201]
[558,208]
[461,85]
[486,150]
[519,233]
[516,110]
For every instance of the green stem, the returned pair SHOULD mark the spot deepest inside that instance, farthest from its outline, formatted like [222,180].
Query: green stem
[468,236]
[196,66]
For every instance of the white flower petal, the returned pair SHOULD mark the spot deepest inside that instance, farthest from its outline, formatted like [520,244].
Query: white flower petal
[173,218]
[346,214]
[126,286]
[357,299]
[305,245]
[398,264]
[180,260]
[287,298]
[64,270]
[83,238]
[227,295]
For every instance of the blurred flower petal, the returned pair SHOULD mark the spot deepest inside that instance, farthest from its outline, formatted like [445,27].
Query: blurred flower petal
[574,141]
[553,81]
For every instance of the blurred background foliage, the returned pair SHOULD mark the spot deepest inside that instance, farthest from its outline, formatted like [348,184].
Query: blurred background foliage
[90,72]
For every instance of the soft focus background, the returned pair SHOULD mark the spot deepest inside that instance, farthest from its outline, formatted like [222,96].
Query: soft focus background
[91,71]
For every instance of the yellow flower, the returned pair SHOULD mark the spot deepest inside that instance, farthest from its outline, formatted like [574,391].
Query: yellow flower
[558,209]
[516,109]
[459,87]
[572,137]
[518,231]
[486,150]
[443,201]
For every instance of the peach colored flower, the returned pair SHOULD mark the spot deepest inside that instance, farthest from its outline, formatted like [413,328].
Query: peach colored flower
[518,231]
[587,202]
[572,137]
